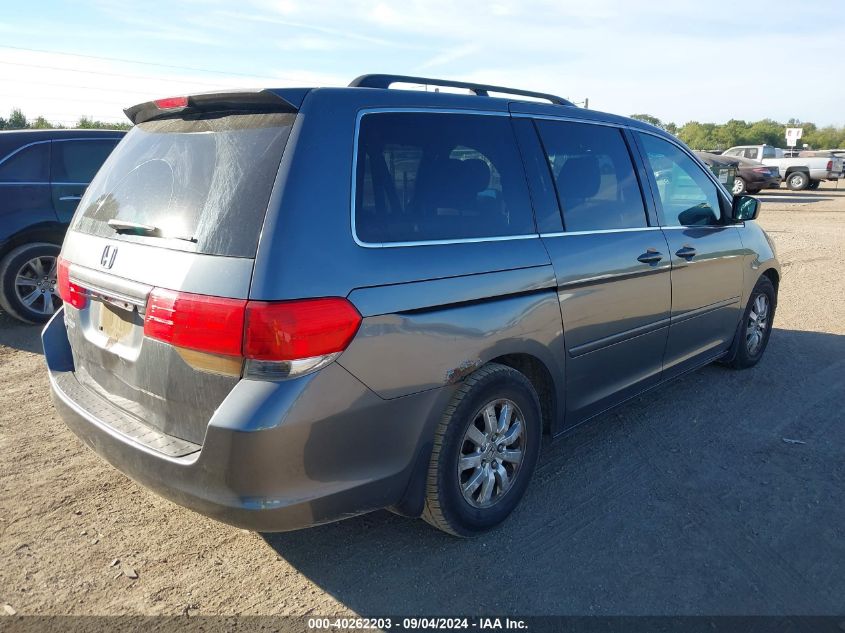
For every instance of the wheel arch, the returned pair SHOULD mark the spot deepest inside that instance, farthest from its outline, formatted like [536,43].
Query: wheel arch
[774,277]
[52,233]
[540,377]
[794,168]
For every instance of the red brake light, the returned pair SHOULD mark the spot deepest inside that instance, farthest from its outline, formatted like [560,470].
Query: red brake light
[198,322]
[830,165]
[171,102]
[70,293]
[261,330]
[292,330]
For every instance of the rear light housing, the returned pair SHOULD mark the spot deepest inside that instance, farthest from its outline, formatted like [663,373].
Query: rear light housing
[274,339]
[71,293]
[830,165]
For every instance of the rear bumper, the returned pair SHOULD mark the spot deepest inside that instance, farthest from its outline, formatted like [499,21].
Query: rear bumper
[276,456]
[761,181]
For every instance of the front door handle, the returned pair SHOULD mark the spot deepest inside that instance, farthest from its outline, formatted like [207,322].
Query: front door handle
[70,198]
[687,252]
[651,256]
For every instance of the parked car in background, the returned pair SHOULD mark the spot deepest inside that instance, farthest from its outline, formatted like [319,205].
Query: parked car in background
[287,307]
[754,152]
[751,176]
[43,174]
[725,169]
[799,172]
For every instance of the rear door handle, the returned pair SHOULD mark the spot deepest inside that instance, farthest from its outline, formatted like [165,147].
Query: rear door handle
[651,256]
[69,198]
[687,252]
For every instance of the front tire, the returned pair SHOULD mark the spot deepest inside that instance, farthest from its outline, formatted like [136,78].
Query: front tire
[28,289]
[756,326]
[485,450]
[797,181]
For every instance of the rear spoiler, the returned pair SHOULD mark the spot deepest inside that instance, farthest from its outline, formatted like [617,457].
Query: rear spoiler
[282,100]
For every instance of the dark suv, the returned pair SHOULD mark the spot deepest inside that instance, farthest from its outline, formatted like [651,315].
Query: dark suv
[43,174]
[287,307]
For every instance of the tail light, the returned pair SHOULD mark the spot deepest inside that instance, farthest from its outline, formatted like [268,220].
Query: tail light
[275,339]
[198,322]
[830,165]
[71,293]
[762,170]
[293,330]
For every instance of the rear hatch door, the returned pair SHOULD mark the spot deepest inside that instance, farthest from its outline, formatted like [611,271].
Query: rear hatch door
[164,240]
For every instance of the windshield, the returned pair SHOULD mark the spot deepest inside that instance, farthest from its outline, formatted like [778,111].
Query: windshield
[202,183]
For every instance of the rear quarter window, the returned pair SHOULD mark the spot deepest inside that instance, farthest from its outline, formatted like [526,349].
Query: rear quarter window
[438,176]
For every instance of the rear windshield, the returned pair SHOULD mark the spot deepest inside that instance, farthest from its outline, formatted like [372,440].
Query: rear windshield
[203,183]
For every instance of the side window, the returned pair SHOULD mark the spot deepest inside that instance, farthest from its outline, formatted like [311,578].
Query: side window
[596,184]
[752,153]
[768,152]
[687,196]
[437,176]
[78,161]
[31,164]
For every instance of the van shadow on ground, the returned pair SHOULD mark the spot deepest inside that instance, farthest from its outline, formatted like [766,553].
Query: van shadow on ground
[19,335]
[688,500]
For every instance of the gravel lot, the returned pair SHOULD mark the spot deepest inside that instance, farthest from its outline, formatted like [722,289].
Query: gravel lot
[686,501]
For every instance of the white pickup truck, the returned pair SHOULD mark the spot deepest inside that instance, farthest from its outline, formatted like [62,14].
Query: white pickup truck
[805,172]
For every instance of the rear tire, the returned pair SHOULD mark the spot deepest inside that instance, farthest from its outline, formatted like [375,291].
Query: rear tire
[739,186]
[797,180]
[752,337]
[481,465]
[28,289]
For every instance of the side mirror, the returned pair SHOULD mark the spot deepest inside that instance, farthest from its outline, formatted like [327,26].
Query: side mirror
[745,208]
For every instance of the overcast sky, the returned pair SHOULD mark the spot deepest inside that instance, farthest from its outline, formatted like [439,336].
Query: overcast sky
[680,61]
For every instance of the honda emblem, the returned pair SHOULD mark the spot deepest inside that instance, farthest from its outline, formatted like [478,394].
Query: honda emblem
[109,253]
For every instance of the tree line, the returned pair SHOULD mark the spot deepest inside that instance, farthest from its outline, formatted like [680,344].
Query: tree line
[721,136]
[18,121]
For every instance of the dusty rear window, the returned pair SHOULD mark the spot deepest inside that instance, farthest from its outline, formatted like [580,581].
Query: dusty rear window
[204,183]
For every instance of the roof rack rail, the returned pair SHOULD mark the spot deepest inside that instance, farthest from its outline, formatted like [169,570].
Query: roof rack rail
[482,90]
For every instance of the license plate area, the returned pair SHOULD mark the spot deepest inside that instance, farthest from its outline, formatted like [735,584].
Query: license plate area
[117,324]
[110,328]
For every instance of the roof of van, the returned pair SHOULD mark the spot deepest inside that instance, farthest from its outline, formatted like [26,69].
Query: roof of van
[291,99]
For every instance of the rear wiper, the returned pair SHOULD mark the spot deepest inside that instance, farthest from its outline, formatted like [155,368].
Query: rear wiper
[147,230]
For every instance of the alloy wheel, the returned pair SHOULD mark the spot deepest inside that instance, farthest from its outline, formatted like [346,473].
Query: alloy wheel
[492,451]
[35,285]
[758,321]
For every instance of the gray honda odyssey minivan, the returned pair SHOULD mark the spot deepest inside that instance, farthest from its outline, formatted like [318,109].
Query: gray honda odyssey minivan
[287,307]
